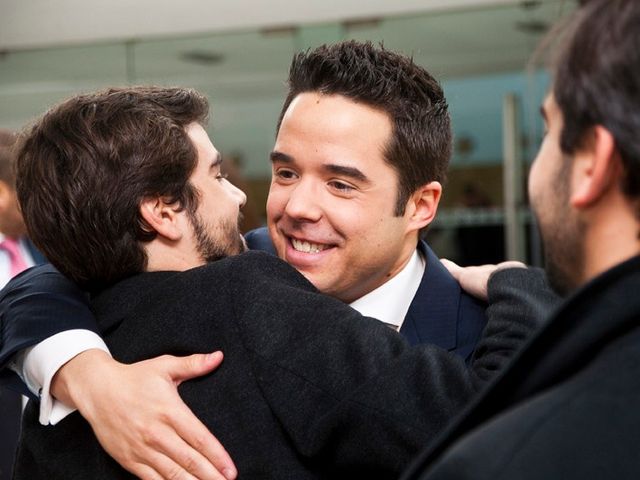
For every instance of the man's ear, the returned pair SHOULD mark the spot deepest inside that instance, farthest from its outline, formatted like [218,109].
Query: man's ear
[596,168]
[423,205]
[162,217]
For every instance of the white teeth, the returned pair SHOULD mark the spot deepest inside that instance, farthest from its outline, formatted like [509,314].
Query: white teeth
[307,247]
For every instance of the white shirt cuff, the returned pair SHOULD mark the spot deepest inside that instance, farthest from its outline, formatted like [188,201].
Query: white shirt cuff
[41,362]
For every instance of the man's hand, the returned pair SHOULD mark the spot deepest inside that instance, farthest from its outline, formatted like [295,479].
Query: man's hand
[474,280]
[138,416]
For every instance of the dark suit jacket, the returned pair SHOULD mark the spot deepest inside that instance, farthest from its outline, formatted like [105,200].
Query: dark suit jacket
[29,315]
[441,313]
[11,400]
[567,407]
[308,388]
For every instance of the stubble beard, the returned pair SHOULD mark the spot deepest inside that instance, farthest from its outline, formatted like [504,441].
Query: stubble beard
[225,243]
[562,236]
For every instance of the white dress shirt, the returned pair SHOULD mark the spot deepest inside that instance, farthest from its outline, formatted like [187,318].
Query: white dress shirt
[38,364]
[390,302]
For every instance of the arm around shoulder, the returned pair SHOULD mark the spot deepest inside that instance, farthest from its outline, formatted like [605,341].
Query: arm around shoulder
[520,301]
[37,304]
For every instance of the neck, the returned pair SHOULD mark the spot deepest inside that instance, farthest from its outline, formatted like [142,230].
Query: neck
[163,255]
[613,238]
[383,276]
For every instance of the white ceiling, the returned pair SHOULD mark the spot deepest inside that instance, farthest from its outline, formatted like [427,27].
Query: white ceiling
[37,23]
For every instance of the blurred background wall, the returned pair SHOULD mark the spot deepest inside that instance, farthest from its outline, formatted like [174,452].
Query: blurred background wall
[238,54]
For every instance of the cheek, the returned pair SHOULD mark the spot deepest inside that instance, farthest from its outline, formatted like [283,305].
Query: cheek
[276,202]
[531,180]
[536,171]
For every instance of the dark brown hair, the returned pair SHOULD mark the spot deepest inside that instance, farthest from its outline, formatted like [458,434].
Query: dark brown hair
[7,159]
[420,147]
[85,166]
[596,79]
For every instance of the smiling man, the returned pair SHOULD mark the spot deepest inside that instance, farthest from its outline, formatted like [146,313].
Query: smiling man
[332,207]
[362,150]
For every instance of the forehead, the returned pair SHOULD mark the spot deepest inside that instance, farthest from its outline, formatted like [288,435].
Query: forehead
[201,141]
[334,127]
[550,109]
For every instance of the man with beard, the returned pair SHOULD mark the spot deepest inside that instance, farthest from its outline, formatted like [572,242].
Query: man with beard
[567,407]
[309,389]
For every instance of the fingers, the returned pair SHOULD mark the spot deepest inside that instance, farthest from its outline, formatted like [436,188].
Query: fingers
[474,280]
[164,469]
[189,442]
[167,468]
[154,448]
[186,368]
[201,440]
[510,264]
[454,269]
[141,421]
[182,460]
[145,472]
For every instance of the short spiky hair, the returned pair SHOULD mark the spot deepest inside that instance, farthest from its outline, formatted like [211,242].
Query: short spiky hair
[420,147]
[85,166]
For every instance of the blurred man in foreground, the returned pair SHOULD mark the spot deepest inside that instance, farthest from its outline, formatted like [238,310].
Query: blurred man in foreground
[567,407]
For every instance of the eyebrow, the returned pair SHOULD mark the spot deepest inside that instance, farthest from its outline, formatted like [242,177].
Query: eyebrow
[343,170]
[216,161]
[277,156]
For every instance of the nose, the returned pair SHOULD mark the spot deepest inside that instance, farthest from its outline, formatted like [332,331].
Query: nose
[238,194]
[303,203]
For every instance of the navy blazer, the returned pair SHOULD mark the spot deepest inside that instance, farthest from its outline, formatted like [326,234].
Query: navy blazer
[441,313]
[15,336]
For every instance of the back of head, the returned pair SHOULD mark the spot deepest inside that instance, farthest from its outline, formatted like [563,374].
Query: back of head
[85,166]
[7,137]
[596,79]
[420,147]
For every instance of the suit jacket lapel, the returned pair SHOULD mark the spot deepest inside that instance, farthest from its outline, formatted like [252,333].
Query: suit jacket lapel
[433,314]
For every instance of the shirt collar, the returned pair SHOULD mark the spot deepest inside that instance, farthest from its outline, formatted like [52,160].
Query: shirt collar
[390,302]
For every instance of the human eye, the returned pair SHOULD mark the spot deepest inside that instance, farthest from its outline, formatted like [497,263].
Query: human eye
[221,176]
[341,187]
[285,174]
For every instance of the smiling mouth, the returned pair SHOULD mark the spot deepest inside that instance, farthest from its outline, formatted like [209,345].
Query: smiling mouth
[307,247]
